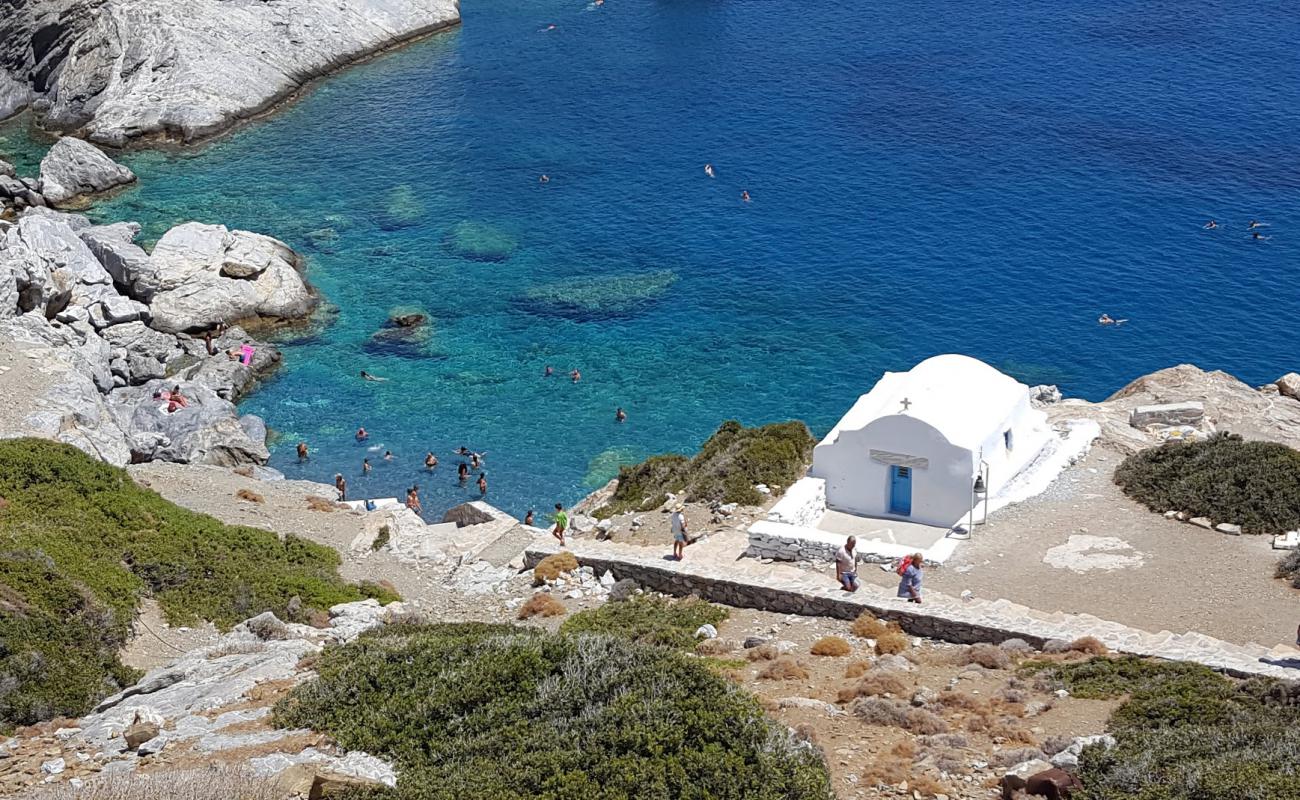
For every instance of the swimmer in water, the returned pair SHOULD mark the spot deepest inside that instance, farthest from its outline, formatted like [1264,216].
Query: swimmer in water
[1105,319]
[620,415]
[1258,237]
[388,455]
[302,452]
[362,435]
[430,460]
[365,466]
[367,376]
[462,472]
[544,179]
[1211,225]
[744,195]
[550,27]
[575,375]
[528,518]
[548,372]
[482,483]
[708,170]
[1254,223]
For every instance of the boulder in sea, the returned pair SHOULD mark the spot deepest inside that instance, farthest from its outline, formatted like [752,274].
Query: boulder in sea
[403,209]
[200,275]
[73,168]
[406,333]
[406,317]
[478,241]
[600,297]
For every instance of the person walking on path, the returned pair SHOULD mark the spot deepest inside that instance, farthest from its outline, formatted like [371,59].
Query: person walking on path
[910,585]
[846,565]
[678,524]
[561,523]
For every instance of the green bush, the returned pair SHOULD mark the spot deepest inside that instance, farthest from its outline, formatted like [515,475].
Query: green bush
[80,543]
[1253,484]
[648,619]
[728,466]
[495,712]
[1186,733]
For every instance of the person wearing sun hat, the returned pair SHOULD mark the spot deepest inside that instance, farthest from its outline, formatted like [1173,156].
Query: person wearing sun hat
[678,524]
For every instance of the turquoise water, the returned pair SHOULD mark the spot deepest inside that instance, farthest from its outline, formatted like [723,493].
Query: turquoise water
[925,177]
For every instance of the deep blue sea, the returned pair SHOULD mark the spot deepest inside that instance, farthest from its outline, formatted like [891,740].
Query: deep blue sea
[979,177]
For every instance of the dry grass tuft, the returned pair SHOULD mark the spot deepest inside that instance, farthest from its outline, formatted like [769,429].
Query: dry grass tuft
[856,669]
[831,646]
[885,773]
[927,786]
[715,647]
[1090,645]
[250,496]
[783,669]
[553,566]
[897,714]
[988,656]
[764,652]
[222,783]
[541,605]
[316,503]
[875,684]
[867,626]
[892,641]
[1010,758]
[950,700]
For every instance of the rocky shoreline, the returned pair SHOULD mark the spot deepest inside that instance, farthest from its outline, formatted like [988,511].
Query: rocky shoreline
[118,71]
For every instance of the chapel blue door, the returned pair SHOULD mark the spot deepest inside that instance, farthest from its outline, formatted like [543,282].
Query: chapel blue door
[900,490]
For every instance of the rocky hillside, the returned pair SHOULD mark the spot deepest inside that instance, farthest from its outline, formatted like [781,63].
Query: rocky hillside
[122,69]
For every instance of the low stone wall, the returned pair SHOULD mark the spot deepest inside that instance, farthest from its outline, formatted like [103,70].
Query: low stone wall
[781,542]
[941,617]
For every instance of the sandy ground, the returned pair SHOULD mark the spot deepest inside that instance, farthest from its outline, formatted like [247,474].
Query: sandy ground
[1157,573]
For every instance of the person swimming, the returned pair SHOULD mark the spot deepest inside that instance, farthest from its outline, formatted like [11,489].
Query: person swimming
[708,170]
[462,472]
[302,452]
[365,466]
[575,375]
[430,460]
[1254,223]
[474,461]
[528,518]
[620,415]
[482,483]
[362,435]
[544,179]
[548,372]
[369,377]
[1258,237]
[1211,225]
[744,195]
[1106,319]
[388,455]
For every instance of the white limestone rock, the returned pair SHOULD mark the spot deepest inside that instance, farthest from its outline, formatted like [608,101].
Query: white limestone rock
[114,246]
[73,168]
[200,275]
[1289,385]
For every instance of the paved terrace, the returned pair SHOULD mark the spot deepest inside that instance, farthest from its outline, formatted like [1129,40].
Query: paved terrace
[713,571]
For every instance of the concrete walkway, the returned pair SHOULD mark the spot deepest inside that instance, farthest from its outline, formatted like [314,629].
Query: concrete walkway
[712,570]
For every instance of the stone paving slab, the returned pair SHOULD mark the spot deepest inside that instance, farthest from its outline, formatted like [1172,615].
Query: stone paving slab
[748,583]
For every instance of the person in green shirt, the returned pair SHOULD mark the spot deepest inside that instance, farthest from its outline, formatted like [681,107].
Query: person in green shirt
[561,523]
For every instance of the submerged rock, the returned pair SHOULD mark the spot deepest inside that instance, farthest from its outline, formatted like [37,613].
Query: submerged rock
[405,334]
[478,241]
[404,208]
[599,297]
[73,168]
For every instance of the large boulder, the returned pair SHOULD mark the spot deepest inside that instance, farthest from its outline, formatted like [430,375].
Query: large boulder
[1289,385]
[73,168]
[14,96]
[140,353]
[206,431]
[114,246]
[50,266]
[200,275]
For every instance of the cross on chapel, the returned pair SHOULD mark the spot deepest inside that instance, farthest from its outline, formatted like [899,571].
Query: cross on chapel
[906,404]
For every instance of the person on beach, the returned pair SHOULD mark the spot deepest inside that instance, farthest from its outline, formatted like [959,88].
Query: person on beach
[207,343]
[365,466]
[708,170]
[1211,225]
[177,400]
[620,415]
[677,524]
[302,452]
[575,375]
[362,435]
[462,472]
[846,565]
[910,585]
[482,484]
[528,518]
[561,523]
[367,376]
[341,485]
[430,460]
[744,195]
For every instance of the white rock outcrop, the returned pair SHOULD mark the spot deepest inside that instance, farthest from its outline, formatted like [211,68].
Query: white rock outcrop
[73,168]
[122,69]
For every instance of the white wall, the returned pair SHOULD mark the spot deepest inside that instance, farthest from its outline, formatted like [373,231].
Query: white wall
[941,492]
[1029,432]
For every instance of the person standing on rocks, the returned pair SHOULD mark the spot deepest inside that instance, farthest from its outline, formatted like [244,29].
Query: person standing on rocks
[561,523]
[678,525]
[910,585]
[341,484]
[846,565]
[528,518]
[413,499]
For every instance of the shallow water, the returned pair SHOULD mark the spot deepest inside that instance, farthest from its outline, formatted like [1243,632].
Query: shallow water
[926,177]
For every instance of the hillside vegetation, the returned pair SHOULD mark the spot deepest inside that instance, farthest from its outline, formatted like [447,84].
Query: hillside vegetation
[495,712]
[1186,732]
[80,544]
[1253,484]
[728,466]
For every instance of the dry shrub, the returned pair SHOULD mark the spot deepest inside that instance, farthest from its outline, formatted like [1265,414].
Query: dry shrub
[885,773]
[541,605]
[553,566]
[892,641]
[875,684]
[905,749]
[250,496]
[867,626]
[783,669]
[316,503]
[896,714]
[988,656]
[806,733]
[1010,758]
[831,646]
[950,700]
[927,786]
[764,652]
[218,783]
[1009,730]
[715,647]
[856,669]
[1089,645]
